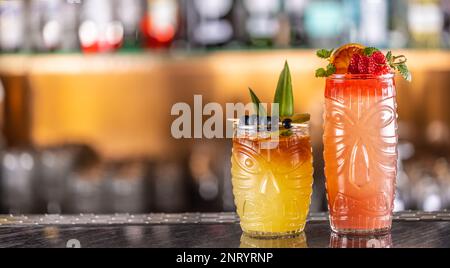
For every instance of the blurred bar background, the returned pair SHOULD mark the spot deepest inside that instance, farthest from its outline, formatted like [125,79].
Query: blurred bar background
[86,89]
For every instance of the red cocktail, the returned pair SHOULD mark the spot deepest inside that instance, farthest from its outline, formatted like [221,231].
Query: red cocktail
[360,139]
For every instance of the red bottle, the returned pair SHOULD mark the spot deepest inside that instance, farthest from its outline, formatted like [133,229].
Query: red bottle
[98,31]
[160,22]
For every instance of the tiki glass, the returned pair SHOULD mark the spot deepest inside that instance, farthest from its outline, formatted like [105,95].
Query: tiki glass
[272,180]
[360,140]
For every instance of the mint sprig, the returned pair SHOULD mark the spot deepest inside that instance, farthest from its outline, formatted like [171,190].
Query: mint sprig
[324,53]
[389,57]
[368,51]
[398,63]
[321,72]
[404,72]
[330,69]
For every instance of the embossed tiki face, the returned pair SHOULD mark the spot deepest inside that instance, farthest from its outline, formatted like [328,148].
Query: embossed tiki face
[272,180]
[364,134]
[360,139]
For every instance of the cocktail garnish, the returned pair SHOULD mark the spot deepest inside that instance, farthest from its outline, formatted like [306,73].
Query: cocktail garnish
[323,53]
[321,72]
[300,118]
[260,110]
[399,63]
[285,100]
[287,123]
[283,93]
[368,51]
[357,59]
[340,59]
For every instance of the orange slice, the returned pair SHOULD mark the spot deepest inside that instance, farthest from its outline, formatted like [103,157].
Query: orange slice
[342,56]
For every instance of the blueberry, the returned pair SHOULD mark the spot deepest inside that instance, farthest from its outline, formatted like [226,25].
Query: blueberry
[287,123]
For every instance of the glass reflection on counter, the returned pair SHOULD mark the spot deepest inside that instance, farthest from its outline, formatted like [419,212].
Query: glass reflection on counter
[52,235]
[349,241]
[298,241]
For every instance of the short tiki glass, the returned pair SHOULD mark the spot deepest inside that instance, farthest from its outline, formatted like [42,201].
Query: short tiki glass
[272,180]
[272,169]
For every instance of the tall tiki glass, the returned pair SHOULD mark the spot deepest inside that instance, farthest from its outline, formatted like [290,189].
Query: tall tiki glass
[272,180]
[360,140]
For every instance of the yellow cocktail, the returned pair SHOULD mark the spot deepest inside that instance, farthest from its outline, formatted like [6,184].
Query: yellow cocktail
[272,180]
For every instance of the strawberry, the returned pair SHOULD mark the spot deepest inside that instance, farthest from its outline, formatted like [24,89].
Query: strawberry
[363,65]
[375,64]
[379,57]
[372,66]
[353,66]
[382,69]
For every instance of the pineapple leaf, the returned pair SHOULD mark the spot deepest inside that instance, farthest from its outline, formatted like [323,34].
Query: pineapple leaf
[259,108]
[283,94]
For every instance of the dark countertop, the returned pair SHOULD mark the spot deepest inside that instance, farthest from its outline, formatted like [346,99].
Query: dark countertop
[410,229]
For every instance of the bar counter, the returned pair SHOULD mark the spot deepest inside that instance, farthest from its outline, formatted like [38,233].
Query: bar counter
[207,230]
